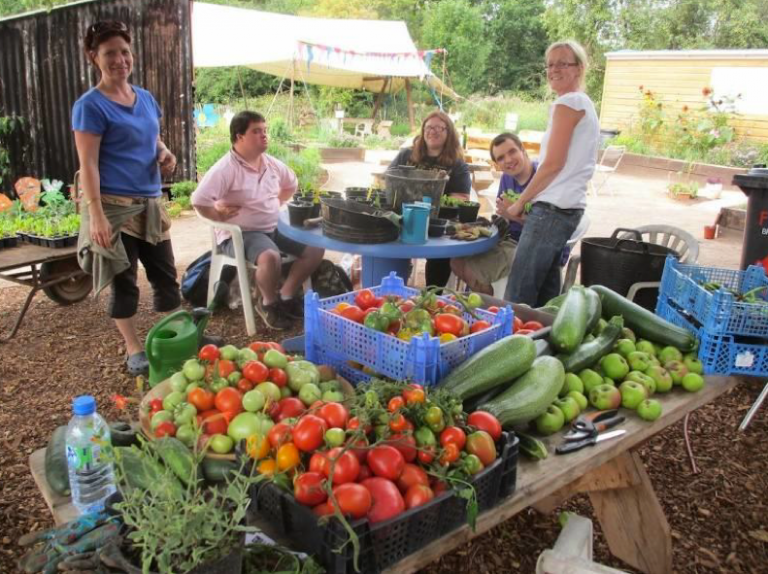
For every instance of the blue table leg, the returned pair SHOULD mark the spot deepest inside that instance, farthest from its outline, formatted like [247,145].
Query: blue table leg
[376,268]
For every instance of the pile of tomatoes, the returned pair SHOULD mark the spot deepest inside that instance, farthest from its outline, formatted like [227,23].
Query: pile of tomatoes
[405,318]
[382,453]
[520,327]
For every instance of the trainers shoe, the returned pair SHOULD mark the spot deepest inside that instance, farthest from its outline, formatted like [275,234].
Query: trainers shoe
[293,307]
[273,315]
[137,364]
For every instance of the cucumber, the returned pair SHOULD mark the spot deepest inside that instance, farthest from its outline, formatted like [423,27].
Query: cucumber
[56,472]
[590,353]
[532,447]
[644,323]
[556,302]
[498,363]
[176,456]
[570,323]
[218,470]
[530,395]
[594,309]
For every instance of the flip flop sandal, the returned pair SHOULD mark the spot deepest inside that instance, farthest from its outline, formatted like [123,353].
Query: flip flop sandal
[137,364]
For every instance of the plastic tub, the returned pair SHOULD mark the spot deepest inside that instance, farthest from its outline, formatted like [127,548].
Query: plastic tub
[408,185]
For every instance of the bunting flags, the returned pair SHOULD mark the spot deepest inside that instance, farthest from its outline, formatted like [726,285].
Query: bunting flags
[308,52]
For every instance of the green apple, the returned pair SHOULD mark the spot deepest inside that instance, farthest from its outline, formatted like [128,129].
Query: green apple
[649,410]
[605,397]
[331,396]
[569,406]
[614,366]
[693,382]
[654,360]
[254,401]
[662,378]
[657,348]
[693,364]
[179,382]
[677,370]
[335,436]
[627,333]
[645,380]
[270,391]
[229,352]
[638,361]
[670,354]
[632,394]
[275,359]
[193,370]
[551,421]
[310,393]
[580,398]
[572,383]
[591,379]
[598,369]
[609,381]
[624,347]
[645,347]
[221,443]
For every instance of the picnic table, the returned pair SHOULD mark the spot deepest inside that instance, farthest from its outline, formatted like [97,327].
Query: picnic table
[612,472]
[54,271]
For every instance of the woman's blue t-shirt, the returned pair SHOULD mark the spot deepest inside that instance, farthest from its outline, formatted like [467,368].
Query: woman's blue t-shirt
[128,152]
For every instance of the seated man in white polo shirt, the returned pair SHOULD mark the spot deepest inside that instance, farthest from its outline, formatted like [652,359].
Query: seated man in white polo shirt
[246,187]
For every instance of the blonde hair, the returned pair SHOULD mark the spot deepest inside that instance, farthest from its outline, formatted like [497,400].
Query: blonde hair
[578,52]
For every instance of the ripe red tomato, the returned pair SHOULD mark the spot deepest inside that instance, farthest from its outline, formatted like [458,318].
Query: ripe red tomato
[439,487]
[319,463]
[387,500]
[454,435]
[378,302]
[533,325]
[517,324]
[365,472]
[345,466]
[417,495]
[335,414]
[309,432]
[229,400]
[226,367]
[155,405]
[412,474]
[165,428]
[208,353]
[523,332]
[353,313]
[478,326]
[354,424]
[426,454]
[278,376]
[324,509]
[398,423]
[353,499]
[386,461]
[414,393]
[201,399]
[255,371]
[451,453]
[290,407]
[361,452]
[365,298]
[212,422]
[481,445]
[280,434]
[406,306]
[244,385]
[487,422]
[394,404]
[308,489]
[493,309]
[449,323]
[406,444]
[260,347]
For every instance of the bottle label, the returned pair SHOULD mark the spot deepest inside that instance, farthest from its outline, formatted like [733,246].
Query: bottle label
[86,458]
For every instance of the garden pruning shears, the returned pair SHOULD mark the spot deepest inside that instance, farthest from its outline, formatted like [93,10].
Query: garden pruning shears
[586,429]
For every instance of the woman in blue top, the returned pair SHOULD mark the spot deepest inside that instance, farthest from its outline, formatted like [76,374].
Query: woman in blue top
[558,190]
[117,135]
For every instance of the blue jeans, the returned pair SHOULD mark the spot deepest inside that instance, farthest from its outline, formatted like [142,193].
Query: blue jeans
[535,275]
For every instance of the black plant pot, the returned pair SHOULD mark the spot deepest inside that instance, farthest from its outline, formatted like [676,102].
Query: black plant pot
[468,213]
[437,227]
[448,212]
[300,212]
[354,192]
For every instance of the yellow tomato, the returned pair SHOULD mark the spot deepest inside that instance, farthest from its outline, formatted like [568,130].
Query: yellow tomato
[447,337]
[288,457]
[257,446]
[267,466]
[341,306]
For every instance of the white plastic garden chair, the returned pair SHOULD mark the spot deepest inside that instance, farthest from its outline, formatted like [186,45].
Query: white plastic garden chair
[608,164]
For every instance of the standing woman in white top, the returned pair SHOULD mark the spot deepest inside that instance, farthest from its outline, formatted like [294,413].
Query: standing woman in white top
[558,191]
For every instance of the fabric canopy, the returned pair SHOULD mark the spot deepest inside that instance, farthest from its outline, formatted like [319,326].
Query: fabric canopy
[361,54]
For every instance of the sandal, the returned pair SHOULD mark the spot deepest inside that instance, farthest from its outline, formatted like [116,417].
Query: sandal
[137,364]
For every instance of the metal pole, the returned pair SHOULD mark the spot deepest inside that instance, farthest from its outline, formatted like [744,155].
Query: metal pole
[753,409]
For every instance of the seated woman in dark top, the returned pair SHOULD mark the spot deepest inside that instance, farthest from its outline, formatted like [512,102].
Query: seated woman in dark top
[438,147]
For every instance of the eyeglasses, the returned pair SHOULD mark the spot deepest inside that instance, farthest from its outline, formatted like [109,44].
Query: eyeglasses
[108,26]
[560,65]
[435,129]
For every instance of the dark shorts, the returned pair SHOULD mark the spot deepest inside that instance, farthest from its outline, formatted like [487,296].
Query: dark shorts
[257,242]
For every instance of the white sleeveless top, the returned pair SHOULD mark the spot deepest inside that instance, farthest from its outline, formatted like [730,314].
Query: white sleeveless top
[569,189]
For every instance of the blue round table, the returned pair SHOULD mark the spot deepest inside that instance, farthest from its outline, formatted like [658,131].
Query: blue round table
[380,259]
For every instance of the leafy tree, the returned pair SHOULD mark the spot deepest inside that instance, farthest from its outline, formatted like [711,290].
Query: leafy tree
[222,85]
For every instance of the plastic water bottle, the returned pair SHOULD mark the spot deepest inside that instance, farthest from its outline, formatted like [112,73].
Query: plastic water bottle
[89,449]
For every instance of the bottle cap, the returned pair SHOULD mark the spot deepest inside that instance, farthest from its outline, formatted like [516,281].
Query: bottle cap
[84,405]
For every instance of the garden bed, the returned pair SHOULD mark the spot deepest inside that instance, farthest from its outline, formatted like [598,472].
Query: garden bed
[666,167]
[341,154]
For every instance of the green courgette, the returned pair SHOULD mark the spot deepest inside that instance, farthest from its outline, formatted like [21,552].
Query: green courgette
[590,353]
[531,446]
[556,301]
[594,309]
[570,324]
[498,363]
[176,456]
[56,472]
[530,395]
[644,323]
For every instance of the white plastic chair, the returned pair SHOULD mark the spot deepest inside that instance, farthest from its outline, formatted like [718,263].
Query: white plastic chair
[245,269]
[609,163]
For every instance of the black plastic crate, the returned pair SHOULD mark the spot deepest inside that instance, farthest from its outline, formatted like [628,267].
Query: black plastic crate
[385,543]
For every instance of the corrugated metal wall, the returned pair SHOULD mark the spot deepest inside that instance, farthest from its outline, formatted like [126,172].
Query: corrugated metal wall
[43,70]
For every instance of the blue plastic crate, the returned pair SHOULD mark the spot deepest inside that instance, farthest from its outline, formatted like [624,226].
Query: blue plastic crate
[334,340]
[717,313]
[721,354]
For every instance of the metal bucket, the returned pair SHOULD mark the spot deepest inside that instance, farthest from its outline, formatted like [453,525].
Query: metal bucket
[618,263]
[406,184]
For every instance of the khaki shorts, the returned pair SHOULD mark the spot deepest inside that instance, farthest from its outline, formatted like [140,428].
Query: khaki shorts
[493,264]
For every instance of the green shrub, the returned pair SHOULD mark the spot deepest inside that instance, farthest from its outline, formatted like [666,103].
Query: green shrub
[209,153]
[400,130]
[343,140]
[489,113]
[183,189]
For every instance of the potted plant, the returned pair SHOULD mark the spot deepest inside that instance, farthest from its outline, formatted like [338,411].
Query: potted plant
[449,207]
[468,211]
[683,190]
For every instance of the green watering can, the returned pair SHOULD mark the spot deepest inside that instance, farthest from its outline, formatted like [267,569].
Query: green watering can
[174,340]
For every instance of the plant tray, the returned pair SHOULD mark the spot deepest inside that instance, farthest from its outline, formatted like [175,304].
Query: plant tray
[333,340]
[8,242]
[717,313]
[52,242]
[385,543]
